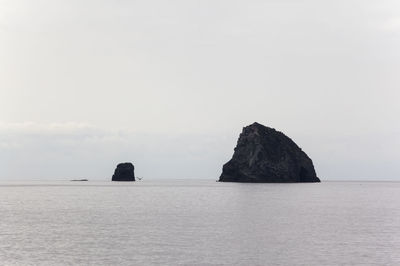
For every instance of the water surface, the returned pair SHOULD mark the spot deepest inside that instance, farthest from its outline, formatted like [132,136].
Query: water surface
[199,223]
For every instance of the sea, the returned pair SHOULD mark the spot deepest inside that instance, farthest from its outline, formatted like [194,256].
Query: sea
[199,222]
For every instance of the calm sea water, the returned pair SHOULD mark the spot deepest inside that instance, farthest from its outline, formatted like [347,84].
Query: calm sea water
[199,223]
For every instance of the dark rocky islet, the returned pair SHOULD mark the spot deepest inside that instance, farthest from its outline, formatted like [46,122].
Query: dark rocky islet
[265,155]
[124,172]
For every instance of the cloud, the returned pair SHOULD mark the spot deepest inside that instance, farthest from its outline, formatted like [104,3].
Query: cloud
[32,134]
[44,128]
[33,150]
[391,25]
[64,150]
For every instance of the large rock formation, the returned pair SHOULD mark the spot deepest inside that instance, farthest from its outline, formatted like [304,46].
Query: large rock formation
[263,154]
[124,172]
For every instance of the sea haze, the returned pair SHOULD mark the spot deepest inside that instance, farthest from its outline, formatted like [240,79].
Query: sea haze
[199,223]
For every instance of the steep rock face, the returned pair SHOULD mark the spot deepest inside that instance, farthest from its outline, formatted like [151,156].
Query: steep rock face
[263,154]
[124,172]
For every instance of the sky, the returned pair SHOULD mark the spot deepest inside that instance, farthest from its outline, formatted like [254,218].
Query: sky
[168,85]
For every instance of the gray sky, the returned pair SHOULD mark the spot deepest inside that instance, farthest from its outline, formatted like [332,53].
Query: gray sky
[169,85]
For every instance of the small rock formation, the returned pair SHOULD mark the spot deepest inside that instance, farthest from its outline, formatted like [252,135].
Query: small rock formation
[265,155]
[124,172]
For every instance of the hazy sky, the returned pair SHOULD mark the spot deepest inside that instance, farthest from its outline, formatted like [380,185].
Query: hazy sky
[169,85]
